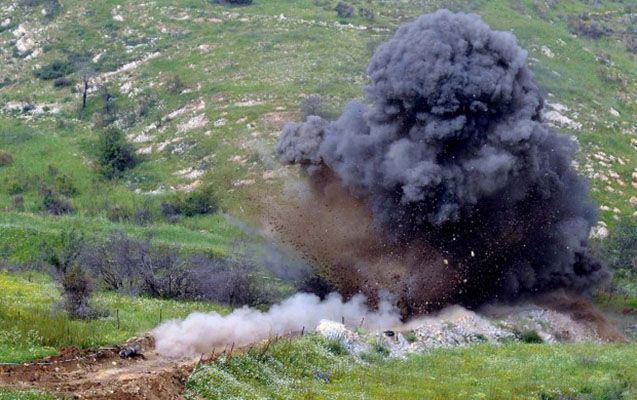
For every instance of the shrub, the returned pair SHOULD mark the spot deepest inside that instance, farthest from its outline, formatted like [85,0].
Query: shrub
[17,202]
[584,26]
[143,216]
[62,82]
[198,202]
[15,185]
[344,10]
[410,336]
[531,337]
[77,290]
[64,185]
[54,70]
[366,13]
[5,158]
[312,105]
[137,267]
[115,154]
[174,84]
[53,203]
[119,213]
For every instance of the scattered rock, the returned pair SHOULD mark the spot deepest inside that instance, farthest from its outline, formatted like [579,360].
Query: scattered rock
[547,52]
[199,121]
[599,232]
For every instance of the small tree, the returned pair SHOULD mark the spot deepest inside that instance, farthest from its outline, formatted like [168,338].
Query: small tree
[116,155]
[53,203]
[344,10]
[77,288]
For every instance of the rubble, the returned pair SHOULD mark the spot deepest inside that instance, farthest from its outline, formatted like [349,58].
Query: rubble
[456,326]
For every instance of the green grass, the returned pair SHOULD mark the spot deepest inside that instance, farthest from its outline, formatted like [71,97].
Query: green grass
[33,327]
[258,55]
[24,233]
[298,369]
[8,394]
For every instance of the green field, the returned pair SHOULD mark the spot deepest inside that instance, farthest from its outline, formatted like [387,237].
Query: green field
[313,368]
[33,327]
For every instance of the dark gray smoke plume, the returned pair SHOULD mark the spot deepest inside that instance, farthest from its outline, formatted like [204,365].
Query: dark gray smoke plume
[449,150]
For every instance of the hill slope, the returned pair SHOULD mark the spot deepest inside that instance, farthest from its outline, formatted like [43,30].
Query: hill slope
[201,90]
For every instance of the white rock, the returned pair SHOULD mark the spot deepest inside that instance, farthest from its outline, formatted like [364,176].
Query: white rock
[547,52]
[555,118]
[198,121]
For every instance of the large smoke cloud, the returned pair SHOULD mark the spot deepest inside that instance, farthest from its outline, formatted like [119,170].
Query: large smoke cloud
[466,187]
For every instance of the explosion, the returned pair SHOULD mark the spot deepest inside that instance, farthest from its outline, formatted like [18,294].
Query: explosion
[444,186]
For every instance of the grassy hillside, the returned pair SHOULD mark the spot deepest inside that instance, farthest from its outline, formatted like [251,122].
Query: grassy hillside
[202,90]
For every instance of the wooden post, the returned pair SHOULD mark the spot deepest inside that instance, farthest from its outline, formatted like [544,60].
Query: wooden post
[117,314]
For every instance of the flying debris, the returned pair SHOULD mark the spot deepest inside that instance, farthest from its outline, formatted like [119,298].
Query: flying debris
[448,152]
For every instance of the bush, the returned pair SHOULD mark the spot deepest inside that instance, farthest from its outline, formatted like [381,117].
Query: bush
[174,84]
[366,13]
[137,267]
[63,254]
[62,82]
[53,203]
[5,158]
[531,337]
[344,10]
[17,202]
[584,26]
[115,154]
[119,213]
[312,105]
[198,202]
[64,185]
[77,290]
[54,70]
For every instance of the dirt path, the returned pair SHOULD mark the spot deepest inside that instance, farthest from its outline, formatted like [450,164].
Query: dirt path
[102,374]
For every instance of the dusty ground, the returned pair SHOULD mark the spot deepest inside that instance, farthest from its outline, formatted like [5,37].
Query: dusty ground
[102,374]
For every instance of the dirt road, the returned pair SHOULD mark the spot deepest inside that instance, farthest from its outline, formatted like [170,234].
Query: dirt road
[102,374]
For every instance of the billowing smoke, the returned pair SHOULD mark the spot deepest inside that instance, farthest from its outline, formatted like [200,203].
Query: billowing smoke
[444,185]
[200,333]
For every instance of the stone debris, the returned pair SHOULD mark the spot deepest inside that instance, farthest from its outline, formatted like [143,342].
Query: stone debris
[456,326]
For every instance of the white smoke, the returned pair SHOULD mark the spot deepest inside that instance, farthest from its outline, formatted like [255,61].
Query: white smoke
[200,333]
